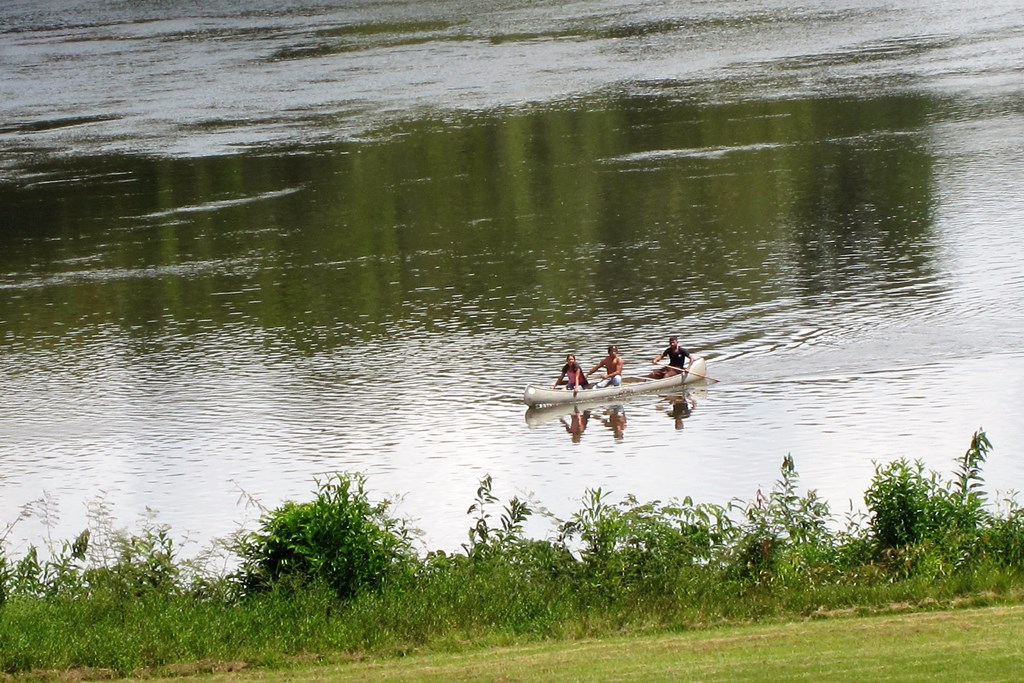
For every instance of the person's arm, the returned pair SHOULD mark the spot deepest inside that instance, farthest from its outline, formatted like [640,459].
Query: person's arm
[595,368]
[558,381]
[689,361]
[658,358]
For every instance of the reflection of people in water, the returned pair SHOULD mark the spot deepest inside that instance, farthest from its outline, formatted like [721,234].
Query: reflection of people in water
[681,408]
[577,424]
[615,420]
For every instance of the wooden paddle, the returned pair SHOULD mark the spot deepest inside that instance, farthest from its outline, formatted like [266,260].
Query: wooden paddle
[691,372]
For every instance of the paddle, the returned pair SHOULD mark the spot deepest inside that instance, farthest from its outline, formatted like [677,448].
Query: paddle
[575,388]
[691,372]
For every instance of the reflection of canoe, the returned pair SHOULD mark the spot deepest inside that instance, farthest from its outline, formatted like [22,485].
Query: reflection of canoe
[543,396]
[536,416]
[539,415]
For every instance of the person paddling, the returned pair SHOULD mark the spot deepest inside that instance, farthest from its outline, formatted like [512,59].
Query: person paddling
[679,360]
[573,374]
[612,364]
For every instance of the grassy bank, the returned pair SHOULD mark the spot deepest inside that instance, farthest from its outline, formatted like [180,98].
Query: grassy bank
[337,576]
[960,644]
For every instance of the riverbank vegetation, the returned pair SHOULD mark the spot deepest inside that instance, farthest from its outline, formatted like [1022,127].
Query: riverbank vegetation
[339,573]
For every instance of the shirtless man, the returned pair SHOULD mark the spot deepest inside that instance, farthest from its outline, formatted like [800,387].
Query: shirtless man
[616,421]
[612,364]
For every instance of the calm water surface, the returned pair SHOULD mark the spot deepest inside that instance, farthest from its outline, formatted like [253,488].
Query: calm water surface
[244,246]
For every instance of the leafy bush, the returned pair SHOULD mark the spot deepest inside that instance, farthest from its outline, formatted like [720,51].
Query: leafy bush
[920,525]
[505,540]
[112,562]
[629,545]
[1005,536]
[903,502]
[339,539]
[909,506]
[62,573]
[784,534]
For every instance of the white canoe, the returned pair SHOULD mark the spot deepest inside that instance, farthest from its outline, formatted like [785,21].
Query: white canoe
[545,396]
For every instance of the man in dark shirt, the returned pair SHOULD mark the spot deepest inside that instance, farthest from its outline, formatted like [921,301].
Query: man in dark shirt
[679,360]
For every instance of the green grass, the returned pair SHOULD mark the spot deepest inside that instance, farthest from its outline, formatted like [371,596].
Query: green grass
[981,644]
[336,577]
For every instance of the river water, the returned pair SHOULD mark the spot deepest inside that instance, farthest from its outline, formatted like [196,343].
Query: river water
[246,244]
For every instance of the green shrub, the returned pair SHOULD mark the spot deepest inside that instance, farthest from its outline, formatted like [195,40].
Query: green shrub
[785,534]
[138,564]
[502,548]
[505,540]
[61,574]
[920,525]
[339,539]
[902,500]
[1003,536]
[631,545]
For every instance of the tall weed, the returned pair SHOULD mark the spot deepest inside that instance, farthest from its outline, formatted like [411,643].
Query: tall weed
[487,540]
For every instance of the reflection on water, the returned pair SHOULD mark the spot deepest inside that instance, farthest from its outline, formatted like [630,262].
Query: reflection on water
[297,247]
[574,419]
[295,239]
[576,424]
[614,419]
[680,408]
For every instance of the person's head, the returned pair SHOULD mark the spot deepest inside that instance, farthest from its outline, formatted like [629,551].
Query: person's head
[570,359]
[673,341]
[612,349]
